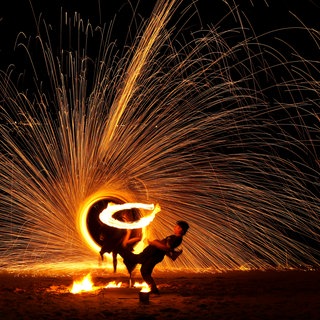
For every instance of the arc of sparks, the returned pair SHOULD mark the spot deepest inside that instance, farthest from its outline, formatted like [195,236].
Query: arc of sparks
[106,216]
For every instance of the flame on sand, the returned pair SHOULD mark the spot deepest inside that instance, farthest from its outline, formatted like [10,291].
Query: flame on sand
[113,284]
[83,285]
[86,285]
[145,288]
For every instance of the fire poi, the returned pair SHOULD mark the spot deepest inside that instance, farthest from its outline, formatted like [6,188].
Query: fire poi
[106,216]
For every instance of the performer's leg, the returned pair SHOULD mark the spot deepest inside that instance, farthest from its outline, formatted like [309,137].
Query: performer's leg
[146,273]
[129,259]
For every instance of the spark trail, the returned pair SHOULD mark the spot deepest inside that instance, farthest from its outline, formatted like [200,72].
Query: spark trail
[189,125]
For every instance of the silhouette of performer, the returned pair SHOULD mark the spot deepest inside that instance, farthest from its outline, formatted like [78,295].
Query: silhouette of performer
[154,253]
[113,238]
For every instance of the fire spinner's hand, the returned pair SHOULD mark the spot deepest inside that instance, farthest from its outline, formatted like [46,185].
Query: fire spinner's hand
[174,254]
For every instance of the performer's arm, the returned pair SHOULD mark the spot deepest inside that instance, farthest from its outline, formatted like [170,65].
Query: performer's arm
[160,245]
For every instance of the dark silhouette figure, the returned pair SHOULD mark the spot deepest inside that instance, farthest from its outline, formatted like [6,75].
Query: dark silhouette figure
[113,239]
[154,253]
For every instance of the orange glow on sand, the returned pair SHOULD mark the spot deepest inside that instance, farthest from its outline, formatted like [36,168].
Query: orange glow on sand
[83,285]
[140,285]
[113,284]
[145,288]
[87,285]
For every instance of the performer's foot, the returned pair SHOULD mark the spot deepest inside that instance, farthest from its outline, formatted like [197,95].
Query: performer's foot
[155,291]
[175,254]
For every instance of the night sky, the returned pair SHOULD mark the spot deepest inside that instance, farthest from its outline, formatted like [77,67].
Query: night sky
[18,15]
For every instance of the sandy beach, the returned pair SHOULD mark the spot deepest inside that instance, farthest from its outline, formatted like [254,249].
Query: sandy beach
[229,295]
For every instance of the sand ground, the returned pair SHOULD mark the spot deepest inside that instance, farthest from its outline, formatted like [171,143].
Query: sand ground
[231,295]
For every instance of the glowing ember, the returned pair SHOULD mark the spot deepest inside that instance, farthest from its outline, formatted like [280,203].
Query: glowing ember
[140,284]
[113,284]
[85,284]
[145,288]
[106,215]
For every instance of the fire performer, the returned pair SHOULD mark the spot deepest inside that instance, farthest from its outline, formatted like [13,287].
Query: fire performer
[114,238]
[131,238]
[154,253]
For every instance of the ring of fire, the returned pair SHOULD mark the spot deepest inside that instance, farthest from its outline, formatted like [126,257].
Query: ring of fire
[90,225]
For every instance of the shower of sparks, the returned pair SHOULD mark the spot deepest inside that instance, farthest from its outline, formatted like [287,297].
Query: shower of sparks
[106,215]
[221,130]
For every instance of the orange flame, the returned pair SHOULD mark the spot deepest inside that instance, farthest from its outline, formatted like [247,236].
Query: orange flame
[85,284]
[145,288]
[139,284]
[143,285]
[113,284]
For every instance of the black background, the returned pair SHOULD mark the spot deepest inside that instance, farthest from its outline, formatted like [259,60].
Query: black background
[21,16]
